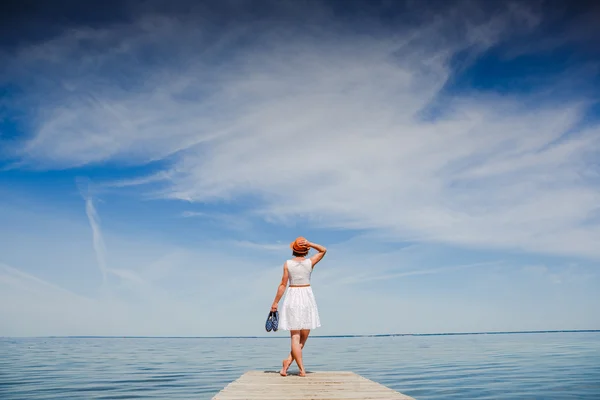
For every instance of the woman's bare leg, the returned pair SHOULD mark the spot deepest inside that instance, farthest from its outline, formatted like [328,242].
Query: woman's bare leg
[288,361]
[297,351]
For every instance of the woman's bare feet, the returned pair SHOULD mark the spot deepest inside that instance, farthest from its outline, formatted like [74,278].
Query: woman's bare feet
[285,365]
[302,373]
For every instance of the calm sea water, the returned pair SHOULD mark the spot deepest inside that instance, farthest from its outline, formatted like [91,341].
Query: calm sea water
[514,366]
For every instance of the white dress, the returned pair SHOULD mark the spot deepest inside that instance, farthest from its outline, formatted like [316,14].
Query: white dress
[299,309]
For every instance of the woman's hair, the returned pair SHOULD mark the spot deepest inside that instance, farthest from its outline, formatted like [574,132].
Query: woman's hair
[295,254]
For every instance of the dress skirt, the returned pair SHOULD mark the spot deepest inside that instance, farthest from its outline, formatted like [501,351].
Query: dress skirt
[299,310]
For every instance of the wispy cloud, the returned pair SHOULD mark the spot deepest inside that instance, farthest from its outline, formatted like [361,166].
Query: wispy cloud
[160,176]
[279,247]
[240,222]
[191,214]
[569,274]
[94,221]
[328,127]
[368,277]
[30,283]
[86,188]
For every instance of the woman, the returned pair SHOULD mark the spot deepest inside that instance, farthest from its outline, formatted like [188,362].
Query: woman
[299,313]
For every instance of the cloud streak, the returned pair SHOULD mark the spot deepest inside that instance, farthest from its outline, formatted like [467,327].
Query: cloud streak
[99,245]
[368,277]
[29,283]
[94,221]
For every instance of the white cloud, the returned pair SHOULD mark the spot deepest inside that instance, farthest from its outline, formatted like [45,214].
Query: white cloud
[98,240]
[328,127]
[277,247]
[191,214]
[369,276]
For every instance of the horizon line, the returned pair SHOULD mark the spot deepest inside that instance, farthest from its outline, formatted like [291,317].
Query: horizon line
[313,336]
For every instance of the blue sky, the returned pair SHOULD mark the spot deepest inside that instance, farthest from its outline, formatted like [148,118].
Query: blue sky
[157,159]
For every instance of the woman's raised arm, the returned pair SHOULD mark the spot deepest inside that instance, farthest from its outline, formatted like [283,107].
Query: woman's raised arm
[321,252]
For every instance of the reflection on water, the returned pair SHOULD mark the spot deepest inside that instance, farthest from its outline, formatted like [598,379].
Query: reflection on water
[516,366]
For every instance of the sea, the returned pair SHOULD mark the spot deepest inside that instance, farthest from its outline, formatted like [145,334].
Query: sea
[534,365]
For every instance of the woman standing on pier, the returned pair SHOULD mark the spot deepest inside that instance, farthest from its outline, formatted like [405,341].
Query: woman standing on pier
[299,313]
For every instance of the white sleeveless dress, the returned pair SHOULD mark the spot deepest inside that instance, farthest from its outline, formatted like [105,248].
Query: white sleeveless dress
[299,309]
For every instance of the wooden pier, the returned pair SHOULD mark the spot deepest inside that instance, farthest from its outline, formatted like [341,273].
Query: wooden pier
[269,385]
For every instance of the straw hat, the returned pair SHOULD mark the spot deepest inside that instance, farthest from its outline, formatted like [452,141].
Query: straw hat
[297,248]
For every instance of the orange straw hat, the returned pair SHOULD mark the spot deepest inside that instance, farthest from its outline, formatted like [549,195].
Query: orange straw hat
[297,248]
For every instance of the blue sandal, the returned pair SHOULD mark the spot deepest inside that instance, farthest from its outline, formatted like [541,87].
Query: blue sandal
[275,321]
[269,323]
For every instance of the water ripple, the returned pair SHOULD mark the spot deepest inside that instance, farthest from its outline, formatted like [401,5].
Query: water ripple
[502,367]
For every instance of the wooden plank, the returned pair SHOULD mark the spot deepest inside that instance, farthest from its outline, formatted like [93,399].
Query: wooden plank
[324,385]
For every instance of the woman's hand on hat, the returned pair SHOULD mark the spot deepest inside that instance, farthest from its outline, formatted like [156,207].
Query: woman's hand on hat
[304,243]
